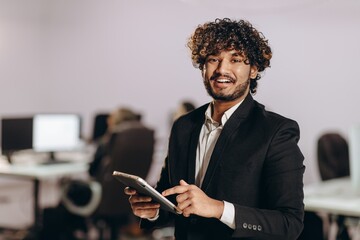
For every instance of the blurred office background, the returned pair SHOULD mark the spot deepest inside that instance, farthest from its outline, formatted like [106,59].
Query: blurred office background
[88,56]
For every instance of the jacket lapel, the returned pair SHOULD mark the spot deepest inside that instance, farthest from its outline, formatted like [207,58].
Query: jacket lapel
[192,153]
[194,139]
[224,139]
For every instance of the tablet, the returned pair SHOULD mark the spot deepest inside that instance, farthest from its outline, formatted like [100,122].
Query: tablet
[143,187]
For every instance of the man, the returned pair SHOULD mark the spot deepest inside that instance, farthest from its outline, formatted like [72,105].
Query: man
[233,168]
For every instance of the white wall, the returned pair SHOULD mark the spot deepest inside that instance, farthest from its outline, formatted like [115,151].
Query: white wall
[90,55]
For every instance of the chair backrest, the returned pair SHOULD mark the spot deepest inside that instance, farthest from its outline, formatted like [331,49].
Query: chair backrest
[333,156]
[100,125]
[131,151]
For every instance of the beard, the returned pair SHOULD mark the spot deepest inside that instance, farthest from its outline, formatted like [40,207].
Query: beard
[240,91]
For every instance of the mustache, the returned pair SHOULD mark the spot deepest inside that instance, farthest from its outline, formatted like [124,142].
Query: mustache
[216,76]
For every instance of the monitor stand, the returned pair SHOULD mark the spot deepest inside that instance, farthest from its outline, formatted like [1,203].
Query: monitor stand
[9,156]
[53,160]
[51,156]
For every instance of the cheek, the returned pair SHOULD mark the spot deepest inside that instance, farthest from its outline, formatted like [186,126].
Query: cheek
[243,73]
[206,74]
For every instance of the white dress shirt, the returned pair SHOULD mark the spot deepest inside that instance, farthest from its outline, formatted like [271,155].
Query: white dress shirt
[209,135]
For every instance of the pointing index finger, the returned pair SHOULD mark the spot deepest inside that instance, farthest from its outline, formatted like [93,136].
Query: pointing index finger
[175,190]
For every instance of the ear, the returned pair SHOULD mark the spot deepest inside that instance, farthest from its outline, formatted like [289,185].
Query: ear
[253,72]
[203,70]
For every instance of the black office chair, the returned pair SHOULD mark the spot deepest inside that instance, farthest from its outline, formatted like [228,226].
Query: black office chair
[131,151]
[100,126]
[333,162]
[333,156]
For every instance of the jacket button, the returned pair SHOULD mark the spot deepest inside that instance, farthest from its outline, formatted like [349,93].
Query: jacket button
[244,225]
[254,227]
[259,228]
[249,226]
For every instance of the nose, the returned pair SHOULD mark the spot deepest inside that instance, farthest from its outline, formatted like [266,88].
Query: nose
[223,67]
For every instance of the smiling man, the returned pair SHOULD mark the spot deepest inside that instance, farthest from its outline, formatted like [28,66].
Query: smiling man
[233,168]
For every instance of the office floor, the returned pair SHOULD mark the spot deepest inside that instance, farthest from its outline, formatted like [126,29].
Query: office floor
[159,234]
[22,235]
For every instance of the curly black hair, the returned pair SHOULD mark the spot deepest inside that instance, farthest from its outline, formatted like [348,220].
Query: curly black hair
[224,34]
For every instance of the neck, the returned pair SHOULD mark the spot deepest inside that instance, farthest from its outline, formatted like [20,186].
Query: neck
[220,107]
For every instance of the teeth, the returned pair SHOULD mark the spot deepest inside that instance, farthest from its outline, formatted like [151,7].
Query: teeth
[223,80]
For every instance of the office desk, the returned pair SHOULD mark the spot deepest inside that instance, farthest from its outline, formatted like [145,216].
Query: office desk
[37,173]
[333,196]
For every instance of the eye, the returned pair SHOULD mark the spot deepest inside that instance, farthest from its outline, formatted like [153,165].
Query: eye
[237,60]
[212,60]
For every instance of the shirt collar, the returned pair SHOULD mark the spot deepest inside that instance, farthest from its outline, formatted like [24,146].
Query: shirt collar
[224,118]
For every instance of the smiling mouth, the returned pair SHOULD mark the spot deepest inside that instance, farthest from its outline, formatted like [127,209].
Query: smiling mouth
[221,84]
[222,80]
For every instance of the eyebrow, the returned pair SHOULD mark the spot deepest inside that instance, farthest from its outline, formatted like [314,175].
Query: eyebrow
[238,54]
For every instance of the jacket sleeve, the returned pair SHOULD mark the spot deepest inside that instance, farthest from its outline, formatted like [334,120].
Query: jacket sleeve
[282,182]
[164,216]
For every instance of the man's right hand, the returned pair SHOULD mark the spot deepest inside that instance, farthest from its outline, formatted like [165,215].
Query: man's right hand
[142,206]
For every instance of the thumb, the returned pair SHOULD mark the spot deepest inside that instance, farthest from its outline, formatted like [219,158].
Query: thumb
[183,183]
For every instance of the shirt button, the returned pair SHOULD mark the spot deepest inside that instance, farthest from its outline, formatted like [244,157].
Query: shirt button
[244,225]
[259,228]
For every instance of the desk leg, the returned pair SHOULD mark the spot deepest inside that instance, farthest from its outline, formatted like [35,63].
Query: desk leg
[36,205]
[34,231]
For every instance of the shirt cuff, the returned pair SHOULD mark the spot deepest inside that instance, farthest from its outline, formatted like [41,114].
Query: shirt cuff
[154,218]
[228,216]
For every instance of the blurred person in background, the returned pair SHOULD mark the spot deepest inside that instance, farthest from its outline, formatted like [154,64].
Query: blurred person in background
[81,198]
[116,118]
[183,108]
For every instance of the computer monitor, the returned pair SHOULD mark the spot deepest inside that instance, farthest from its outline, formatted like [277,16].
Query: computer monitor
[56,133]
[16,135]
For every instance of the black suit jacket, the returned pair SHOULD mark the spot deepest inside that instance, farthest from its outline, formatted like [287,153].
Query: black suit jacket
[256,165]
